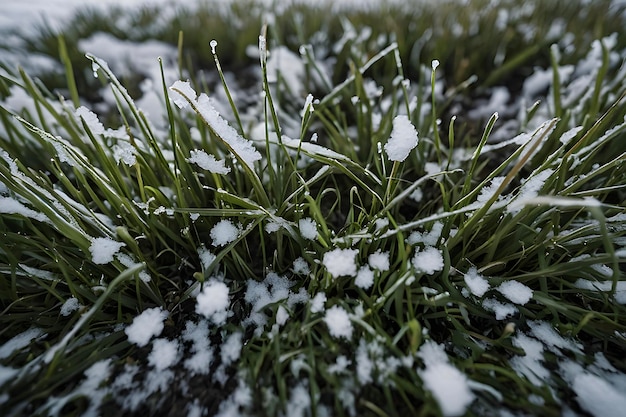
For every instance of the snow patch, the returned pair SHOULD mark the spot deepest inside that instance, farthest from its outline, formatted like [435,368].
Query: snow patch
[146,325]
[338,322]
[103,249]
[213,302]
[340,262]
[403,139]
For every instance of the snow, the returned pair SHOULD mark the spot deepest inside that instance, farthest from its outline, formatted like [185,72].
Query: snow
[516,291]
[69,306]
[403,139]
[284,65]
[308,228]
[340,262]
[598,397]
[146,325]
[231,348]
[604,286]
[208,162]
[103,249]
[202,353]
[206,257]
[124,152]
[90,119]
[203,105]
[530,364]
[379,260]
[224,232]
[428,261]
[318,302]
[364,278]
[213,302]
[11,206]
[502,310]
[338,322]
[476,283]
[301,267]
[165,353]
[19,341]
[448,385]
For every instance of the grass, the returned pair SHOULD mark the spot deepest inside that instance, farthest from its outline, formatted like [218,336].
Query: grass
[546,211]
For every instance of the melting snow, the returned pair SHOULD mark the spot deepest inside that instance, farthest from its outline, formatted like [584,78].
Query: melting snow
[604,286]
[502,310]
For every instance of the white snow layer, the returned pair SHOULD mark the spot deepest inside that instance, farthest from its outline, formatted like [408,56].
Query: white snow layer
[403,139]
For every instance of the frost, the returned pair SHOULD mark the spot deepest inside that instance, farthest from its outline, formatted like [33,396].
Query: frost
[364,278]
[213,302]
[338,322]
[146,325]
[208,162]
[308,228]
[516,292]
[164,354]
[69,306]
[476,283]
[403,139]
[224,232]
[339,262]
[103,249]
[379,260]
[428,261]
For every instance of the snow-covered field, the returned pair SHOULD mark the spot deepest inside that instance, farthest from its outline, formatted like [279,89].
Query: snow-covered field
[598,385]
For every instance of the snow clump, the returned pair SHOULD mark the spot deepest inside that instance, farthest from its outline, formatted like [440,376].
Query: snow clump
[379,260]
[207,162]
[164,354]
[144,326]
[103,249]
[428,260]
[339,262]
[476,283]
[403,139]
[69,306]
[364,278]
[224,232]
[338,322]
[308,228]
[516,292]
[213,302]
[448,385]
